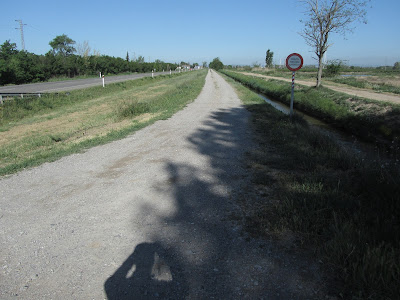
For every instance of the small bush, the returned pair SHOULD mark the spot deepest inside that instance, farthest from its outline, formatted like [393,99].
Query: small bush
[126,110]
[333,68]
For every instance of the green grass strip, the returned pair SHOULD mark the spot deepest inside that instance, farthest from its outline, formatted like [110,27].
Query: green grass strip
[368,119]
[347,206]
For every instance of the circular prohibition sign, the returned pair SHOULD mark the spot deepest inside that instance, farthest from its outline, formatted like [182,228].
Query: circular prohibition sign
[294,62]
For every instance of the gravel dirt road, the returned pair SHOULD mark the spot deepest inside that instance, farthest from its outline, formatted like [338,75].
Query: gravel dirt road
[342,88]
[147,217]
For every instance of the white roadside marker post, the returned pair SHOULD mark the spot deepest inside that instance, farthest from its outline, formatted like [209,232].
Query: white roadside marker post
[103,80]
[294,62]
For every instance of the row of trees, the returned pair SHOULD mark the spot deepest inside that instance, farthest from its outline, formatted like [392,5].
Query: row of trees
[17,67]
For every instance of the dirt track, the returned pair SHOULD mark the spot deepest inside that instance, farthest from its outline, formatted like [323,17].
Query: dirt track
[352,91]
[147,217]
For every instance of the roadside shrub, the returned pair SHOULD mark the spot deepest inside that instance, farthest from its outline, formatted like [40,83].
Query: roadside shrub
[132,109]
[333,68]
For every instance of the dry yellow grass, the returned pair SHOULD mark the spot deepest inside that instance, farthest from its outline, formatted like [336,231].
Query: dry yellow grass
[91,118]
[64,127]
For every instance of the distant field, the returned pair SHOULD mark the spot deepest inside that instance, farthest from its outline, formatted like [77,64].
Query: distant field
[389,84]
[44,129]
[379,80]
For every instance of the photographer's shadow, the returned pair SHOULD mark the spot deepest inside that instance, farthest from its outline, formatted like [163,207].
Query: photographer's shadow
[150,272]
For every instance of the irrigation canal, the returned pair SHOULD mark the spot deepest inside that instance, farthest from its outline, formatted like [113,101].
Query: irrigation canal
[345,139]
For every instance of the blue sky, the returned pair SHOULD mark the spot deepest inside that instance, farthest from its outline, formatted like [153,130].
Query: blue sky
[239,32]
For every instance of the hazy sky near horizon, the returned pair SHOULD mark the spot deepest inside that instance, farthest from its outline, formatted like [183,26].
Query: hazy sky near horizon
[238,32]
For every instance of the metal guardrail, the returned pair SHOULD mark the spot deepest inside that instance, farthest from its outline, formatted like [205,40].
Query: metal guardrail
[5,96]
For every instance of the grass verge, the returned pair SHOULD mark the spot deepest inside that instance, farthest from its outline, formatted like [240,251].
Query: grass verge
[346,206]
[370,120]
[45,129]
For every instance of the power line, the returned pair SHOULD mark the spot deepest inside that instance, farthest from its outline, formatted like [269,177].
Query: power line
[21,29]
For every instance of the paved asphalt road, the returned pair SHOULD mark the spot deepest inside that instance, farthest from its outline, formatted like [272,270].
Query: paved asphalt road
[68,85]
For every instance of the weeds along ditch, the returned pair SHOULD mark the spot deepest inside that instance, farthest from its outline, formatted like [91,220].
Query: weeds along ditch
[345,205]
[372,121]
[37,130]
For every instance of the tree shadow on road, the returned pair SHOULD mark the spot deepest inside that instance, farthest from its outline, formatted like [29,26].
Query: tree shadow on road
[212,257]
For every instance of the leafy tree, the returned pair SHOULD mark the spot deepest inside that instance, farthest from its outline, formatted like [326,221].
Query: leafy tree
[7,50]
[216,64]
[52,64]
[72,66]
[269,58]
[396,66]
[325,17]
[19,66]
[25,68]
[140,59]
[127,56]
[62,45]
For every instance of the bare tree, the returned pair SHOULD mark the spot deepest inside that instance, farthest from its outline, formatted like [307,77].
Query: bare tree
[329,16]
[84,49]
[96,52]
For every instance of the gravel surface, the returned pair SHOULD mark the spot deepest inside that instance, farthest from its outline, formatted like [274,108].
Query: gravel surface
[147,217]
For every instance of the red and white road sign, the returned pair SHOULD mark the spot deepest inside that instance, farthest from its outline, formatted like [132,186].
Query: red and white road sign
[294,62]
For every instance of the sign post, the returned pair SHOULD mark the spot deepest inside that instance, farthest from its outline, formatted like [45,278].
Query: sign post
[294,62]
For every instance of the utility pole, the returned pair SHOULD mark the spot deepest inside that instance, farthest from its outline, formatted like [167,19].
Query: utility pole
[21,28]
